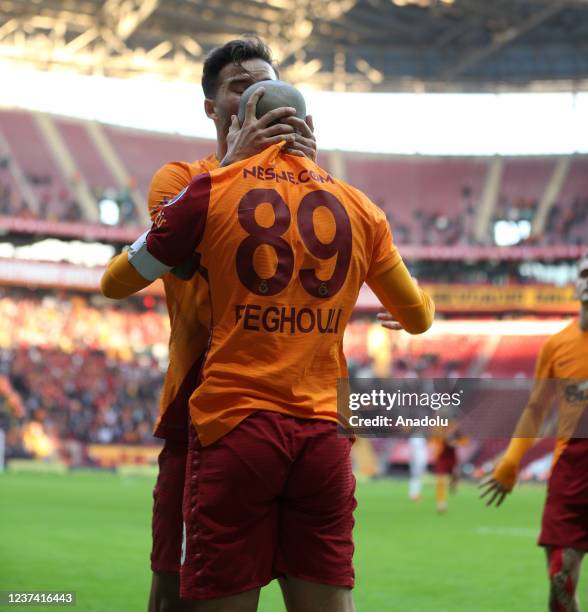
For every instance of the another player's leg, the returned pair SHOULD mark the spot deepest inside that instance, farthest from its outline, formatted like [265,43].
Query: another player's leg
[564,570]
[454,480]
[417,467]
[165,593]
[167,529]
[315,546]
[243,602]
[441,486]
[305,596]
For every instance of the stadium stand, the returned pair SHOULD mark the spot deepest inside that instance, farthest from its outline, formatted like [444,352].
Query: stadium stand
[54,199]
[89,161]
[85,371]
[514,357]
[429,200]
[90,371]
[143,153]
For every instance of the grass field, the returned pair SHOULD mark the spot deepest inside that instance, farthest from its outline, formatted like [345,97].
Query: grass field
[90,533]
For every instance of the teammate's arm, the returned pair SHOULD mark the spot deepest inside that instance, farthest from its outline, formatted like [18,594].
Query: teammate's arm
[171,240]
[526,433]
[120,279]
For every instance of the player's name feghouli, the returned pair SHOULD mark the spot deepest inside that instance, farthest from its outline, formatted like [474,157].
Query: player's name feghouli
[289,320]
[385,421]
[271,174]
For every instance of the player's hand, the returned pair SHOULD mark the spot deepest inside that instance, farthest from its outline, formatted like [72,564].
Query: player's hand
[501,483]
[255,135]
[304,144]
[496,491]
[388,321]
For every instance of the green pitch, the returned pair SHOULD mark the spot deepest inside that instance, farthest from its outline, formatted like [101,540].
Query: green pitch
[90,533]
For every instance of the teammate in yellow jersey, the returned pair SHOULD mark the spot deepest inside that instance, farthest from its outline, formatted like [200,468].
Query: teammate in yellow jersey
[446,464]
[564,532]
[228,71]
[269,489]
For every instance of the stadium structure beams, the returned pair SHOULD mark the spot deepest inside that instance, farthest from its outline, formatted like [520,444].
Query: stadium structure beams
[501,39]
[125,16]
[379,45]
[90,46]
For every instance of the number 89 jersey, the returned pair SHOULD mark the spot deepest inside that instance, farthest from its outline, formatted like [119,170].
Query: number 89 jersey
[286,249]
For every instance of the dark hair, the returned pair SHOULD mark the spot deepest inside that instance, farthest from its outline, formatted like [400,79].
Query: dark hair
[234,52]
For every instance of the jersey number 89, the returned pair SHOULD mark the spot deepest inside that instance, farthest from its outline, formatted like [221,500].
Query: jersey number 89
[340,245]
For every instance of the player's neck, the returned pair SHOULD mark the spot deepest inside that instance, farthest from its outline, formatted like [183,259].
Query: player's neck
[584,316]
[221,145]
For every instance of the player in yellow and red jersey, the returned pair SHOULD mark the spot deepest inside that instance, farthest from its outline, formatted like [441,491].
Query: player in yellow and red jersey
[269,488]
[564,532]
[227,72]
[446,464]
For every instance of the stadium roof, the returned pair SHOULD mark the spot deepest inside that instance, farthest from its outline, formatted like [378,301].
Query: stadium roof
[341,45]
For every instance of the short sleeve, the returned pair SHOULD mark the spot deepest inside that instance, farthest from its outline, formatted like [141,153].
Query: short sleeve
[384,252]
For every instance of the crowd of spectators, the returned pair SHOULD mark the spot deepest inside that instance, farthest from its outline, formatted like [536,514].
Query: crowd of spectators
[85,395]
[56,201]
[72,322]
[85,369]
[566,223]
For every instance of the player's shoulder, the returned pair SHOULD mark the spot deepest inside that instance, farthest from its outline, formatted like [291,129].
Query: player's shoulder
[183,170]
[368,209]
[568,333]
[358,199]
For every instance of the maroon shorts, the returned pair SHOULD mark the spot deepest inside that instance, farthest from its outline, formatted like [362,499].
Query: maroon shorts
[564,524]
[167,523]
[273,497]
[446,461]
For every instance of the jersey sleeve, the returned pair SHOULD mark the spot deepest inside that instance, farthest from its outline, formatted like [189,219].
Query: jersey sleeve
[399,294]
[544,365]
[120,279]
[384,252]
[166,183]
[530,422]
[175,233]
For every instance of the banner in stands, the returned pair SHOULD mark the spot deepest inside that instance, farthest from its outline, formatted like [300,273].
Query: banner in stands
[480,299]
[111,455]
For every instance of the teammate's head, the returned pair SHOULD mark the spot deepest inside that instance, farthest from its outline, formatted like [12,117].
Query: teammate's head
[582,280]
[276,94]
[228,71]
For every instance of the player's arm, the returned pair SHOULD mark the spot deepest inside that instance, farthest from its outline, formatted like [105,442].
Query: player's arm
[526,433]
[389,278]
[120,279]
[407,303]
[171,240]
